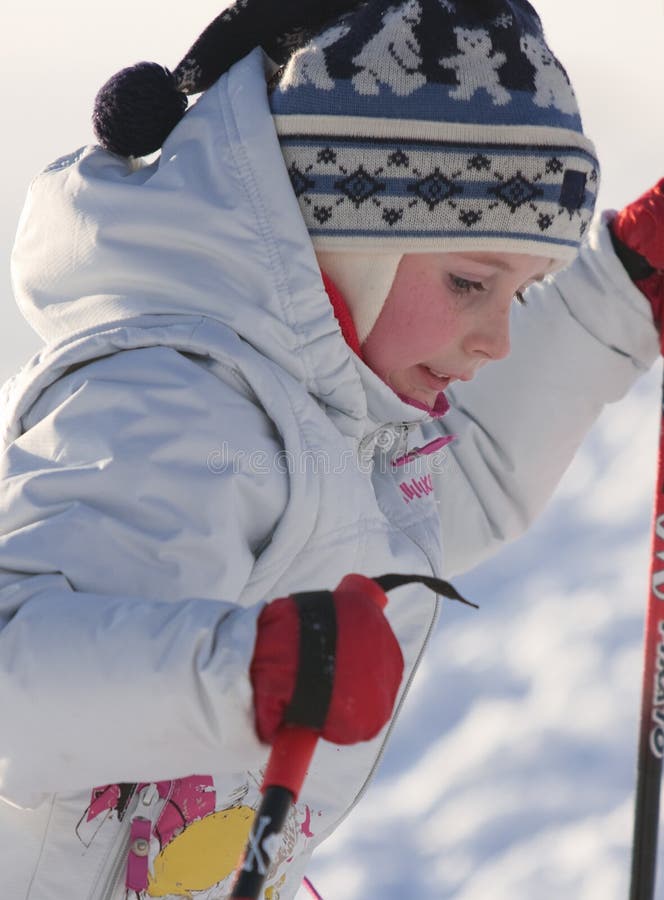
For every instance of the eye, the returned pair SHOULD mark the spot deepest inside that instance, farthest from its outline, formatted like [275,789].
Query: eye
[464,285]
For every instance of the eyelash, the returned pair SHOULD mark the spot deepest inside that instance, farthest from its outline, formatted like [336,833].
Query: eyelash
[465,286]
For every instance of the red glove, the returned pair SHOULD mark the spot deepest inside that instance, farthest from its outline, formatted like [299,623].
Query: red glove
[328,661]
[638,238]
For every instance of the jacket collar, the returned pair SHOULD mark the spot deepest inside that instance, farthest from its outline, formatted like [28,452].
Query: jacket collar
[335,374]
[212,228]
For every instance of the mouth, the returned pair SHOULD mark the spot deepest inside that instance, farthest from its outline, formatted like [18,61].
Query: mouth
[435,381]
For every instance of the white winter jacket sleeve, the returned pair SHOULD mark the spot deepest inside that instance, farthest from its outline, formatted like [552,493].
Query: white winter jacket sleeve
[581,341]
[120,537]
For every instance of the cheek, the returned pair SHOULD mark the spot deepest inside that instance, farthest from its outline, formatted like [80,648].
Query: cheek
[381,350]
[410,334]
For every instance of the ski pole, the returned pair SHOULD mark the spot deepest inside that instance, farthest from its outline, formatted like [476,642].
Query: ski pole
[651,738]
[289,761]
[290,758]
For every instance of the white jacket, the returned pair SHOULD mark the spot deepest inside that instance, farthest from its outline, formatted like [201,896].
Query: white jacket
[195,439]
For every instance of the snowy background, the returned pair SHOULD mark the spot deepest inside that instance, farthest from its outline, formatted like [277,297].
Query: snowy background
[512,769]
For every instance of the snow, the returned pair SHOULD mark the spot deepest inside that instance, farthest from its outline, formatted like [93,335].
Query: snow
[512,768]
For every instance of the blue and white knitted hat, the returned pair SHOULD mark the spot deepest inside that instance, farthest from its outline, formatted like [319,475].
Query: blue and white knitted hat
[406,125]
[434,125]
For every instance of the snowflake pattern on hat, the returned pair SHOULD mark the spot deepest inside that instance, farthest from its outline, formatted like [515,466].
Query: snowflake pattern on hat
[404,193]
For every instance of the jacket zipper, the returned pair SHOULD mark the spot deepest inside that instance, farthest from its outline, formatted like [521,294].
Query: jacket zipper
[390,437]
[148,805]
[114,875]
[402,430]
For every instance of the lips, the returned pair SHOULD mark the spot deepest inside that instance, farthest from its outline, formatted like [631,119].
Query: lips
[434,381]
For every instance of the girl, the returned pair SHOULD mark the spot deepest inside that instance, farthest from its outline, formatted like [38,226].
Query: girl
[267,366]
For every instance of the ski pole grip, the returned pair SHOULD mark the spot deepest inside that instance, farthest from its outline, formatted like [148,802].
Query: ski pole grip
[287,767]
[294,745]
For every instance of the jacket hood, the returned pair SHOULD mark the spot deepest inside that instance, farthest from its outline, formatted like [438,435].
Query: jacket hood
[212,228]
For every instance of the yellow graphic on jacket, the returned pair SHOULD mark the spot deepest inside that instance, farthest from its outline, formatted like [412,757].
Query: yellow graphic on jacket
[205,853]
[194,848]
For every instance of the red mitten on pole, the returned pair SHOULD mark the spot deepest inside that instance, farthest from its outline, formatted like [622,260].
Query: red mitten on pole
[638,238]
[328,661]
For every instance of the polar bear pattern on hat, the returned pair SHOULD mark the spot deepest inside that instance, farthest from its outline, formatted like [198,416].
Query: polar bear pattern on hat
[430,138]
[392,57]
[476,66]
[310,67]
[552,87]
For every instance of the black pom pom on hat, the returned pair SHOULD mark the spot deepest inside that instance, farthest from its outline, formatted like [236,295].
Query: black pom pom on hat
[137,109]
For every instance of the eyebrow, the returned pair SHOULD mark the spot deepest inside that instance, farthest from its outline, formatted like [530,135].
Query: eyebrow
[490,261]
[501,264]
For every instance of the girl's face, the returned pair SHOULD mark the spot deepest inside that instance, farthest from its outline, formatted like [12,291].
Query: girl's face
[446,316]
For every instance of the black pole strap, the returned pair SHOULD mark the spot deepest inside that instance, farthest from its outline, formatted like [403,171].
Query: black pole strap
[312,694]
[437,585]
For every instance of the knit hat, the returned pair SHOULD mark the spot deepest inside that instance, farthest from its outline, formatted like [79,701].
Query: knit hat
[420,125]
[432,125]
[405,125]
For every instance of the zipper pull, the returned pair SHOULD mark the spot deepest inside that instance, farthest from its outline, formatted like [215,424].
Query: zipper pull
[137,856]
[400,446]
[147,811]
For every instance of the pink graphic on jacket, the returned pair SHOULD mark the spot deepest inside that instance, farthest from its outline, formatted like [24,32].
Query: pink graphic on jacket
[187,799]
[432,447]
[305,827]
[416,488]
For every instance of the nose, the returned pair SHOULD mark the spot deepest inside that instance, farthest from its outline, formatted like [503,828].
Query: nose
[490,338]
